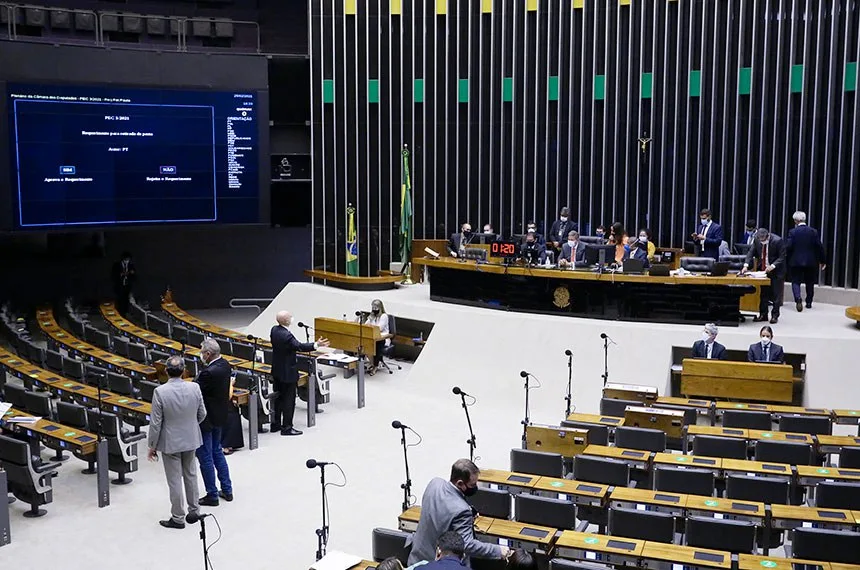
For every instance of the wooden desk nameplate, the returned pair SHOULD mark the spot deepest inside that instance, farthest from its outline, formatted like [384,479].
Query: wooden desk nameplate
[644,394]
[737,380]
[568,442]
[600,548]
[578,492]
[646,499]
[669,421]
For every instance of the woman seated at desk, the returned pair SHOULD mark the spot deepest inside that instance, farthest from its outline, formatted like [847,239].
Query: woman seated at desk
[379,318]
[766,350]
[618,238]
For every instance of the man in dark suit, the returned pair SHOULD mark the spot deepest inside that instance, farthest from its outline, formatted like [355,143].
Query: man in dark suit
[768,254]
[285,372]
[450,553]
[708,235]
[766,350]
[214,381]
[639,251]
[572,251]
[123,275]
[805,254]
[708,347]
[561,228]
[750,229]
[458,242]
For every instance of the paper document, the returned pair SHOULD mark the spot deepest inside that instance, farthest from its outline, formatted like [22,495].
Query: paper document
[24,420]
[4,407]
[758,274]
[335,560]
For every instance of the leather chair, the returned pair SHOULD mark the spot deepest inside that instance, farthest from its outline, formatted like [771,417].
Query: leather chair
[138,315]
[790,452]
[77,326]
[644,439]
[715,446]
[29,478]
[54,361]
[562,564]
[837,495]
[75,416]
[388,543]
[688,481]
[554,513]
[157,355]
[243,351]
[122,445]
[195,338]
[120,345]
[14,394]
[491,503]
[597,434]
[849,458]
[615,408]
[733,536]
[537,463]
[99,338]
[815,425]
[147,390]
[601,470]
[697,264]
[93,374]
[38,404]
[137,352]
[736,262]
[73,369]
[593,240]
[642,525]
[36,354]
[759,489]
[192,365]
[747,420]
[121,384]
[179,333]
[826,545]
[267,356]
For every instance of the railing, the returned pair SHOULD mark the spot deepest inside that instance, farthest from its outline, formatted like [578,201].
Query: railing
[240,303]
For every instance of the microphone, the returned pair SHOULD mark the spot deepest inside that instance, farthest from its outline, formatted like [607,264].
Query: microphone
[192,518]
[524,374]
[459,392]
[604,335]
[249,337]
[311,463]
[359,313]
[303,325]
[568,352]
[397,425]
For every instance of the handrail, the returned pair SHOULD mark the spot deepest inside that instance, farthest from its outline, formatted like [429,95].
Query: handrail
[242,303]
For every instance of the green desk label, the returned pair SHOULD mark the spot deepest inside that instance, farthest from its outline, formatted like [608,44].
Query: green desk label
[69,434]
[68,384]
[557,484]
[591,540]
[682,459]
[767,434]
[712,503]
[768,563]
[123,400]
[825,471]
[740,405]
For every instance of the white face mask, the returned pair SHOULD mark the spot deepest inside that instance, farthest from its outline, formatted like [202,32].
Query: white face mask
[765,340]
[563,218]
[643,239]
[706,337]
[488,231]
[571,243]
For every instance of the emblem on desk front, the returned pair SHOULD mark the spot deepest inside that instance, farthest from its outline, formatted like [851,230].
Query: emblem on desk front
[561,297]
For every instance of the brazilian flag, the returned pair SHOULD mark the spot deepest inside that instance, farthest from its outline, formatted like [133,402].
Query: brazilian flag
[351,243]
[405,211]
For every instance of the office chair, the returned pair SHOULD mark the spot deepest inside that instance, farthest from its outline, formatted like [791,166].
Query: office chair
[388,351]
[137,352]
[387,543]
[715,446]
[243,351]
[697,264]
[563,564]
[537,463]
[121,384]
[615,408]
[688,481]
[99,338]
[120,345]
[597,434]
[73,369]
[643,525]
[747,420]
[601,470]
[195,338]
[226,346]
[815,425]
[730,535]
[267,356]
[179,333]
[35,354]
[849,458]
[14,394]
[837,495]
[491,503]
[826,545]
[192,365]
[28,477]
[644,439]
[93,374]
[789,452]
[554,513]
[758,489]
[736,262]
[54,361]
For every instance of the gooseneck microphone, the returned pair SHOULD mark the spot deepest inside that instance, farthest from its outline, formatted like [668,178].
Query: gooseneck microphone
[524,374]
[397,425]
[302,325]
[311,463]
[604,335]
[568,352]
[459,392]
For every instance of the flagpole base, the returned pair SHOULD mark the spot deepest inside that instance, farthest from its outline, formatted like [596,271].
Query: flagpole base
[407,275]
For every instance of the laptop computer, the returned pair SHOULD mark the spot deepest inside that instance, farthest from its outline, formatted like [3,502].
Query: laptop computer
[633,266]
[721,269]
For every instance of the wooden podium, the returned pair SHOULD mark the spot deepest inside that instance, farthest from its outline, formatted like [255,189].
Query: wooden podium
[724,379]
[346,335]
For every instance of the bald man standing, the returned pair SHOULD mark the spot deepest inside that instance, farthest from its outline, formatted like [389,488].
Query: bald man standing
[285,371]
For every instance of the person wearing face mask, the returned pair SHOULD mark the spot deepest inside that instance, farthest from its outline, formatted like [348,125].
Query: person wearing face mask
[379,318]
[489,233]
[600,232]
[708,347]
[749,232]
[531,251]
[638,249]
[766,350]
[645,240]
[573,251]
[457,242]
[561,228]
[444,508]
[768,254]
[708,235]
[214,381]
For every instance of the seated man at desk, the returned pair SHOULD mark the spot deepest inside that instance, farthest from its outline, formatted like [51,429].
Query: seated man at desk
[457,242]
[708,347]
[531,251]
[766,350]
[572,251]
[638,250]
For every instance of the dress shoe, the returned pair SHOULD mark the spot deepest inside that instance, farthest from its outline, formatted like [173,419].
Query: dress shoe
[799,306]
[760,318]
[275,427]
[208,501]
[774,320]
[170,523]
[319,410]
[809,305]
[290,431]
[226,496]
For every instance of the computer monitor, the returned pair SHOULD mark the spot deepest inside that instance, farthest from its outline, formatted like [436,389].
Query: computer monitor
[484,239]
[592,253]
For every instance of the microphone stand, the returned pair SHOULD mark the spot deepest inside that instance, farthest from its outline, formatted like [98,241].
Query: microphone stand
[205,546]
[605,360]
[568,398]
[526,419]
[307,333]
[472,441]
[407,486]
[322,533]
[361,319]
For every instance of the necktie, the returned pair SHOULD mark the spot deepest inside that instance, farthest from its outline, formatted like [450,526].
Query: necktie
[767,353]
[764,257]
[710,346]
[572,253]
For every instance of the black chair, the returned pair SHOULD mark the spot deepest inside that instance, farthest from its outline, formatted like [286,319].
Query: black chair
[837,495]
[644,525]
[192,365]
[601,470]
[28,478]
[554,513]
[38,404]
[138,315]
[121,384]
[156,355]
[158,326]
[226,346]
[75,416]
[54,361]
[120,345]
[697,264]
[491,503]
[14,394]
[267,356]
[747,420]
[73,369]
[99,338]
[736,262]
[615,408]
[244,380]
[758,489]
[688,481]
[195,338]
[849,458]
[730,535]
[243,351]
[94,374]
[387,543]
[792,453]
[147,390]
[597,434]
[815,425]
[137,352]
[36,354]
[179,333]
[562,564]
[741,248]
[122,445]
[715,446]
[826,545]
[644,439]
[78,327]
[388,351]
[537,463]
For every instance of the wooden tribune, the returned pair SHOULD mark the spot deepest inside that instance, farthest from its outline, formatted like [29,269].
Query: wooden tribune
[567,442]
[737,380]
[346,335]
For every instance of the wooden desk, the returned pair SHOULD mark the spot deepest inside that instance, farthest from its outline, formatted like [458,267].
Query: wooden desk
[702,407]
[760,435]
[568,442]
[738,510]
[692,431]
[643,394]
[790,516]
[666,556]
[743,467]
[750,407]
[800,411]
[521,535]
[580,492]
[633,457]
[507,480]
[407,521]
[633,498]
[737,380]
[192,322]
[679,461]
[55,435]
[352,282]
[596,419]
[812,474]
[364,565]
[601,548]
[755,562]
[85,351]
[348,335]
[847,417]
[669,421]
[835,443]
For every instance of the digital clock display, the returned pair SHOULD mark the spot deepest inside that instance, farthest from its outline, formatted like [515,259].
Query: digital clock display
[503,249]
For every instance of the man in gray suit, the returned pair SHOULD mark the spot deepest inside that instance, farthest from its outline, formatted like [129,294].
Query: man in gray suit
[444,508]
[174,430]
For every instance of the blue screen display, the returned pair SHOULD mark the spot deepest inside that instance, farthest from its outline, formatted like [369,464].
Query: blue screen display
[89,156]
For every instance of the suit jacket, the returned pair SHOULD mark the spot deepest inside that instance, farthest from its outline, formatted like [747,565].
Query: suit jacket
[640,254]
[718,351]
[454,242]
[775,253]
[803,247]
[444,508]
[564,228]
[446,563]
[756,353]
[177,410]
[747,237]
[120,283]
[711,244]
[214,381]
[580,252]
[284,349]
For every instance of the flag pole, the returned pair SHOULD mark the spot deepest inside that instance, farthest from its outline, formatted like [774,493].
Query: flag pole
[406,211]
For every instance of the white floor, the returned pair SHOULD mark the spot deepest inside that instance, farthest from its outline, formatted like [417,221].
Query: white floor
[271,523]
